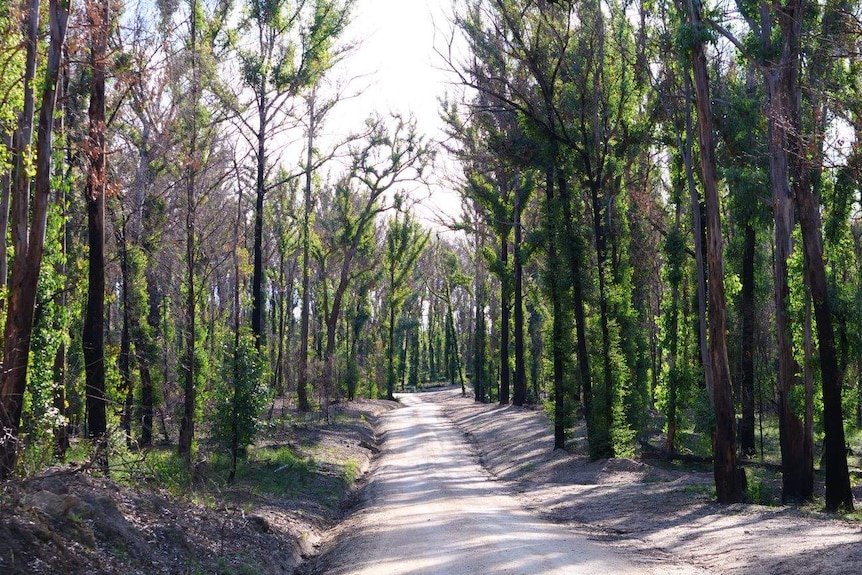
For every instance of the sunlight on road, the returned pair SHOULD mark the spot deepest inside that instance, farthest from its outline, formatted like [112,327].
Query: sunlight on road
[434,511]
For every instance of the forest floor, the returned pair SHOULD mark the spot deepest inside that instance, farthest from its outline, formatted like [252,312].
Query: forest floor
[297,482]
[427,510]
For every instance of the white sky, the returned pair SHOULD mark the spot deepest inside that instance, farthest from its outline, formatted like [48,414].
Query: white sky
[399,71]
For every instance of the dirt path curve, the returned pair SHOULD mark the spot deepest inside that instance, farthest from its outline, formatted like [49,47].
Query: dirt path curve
[433,510]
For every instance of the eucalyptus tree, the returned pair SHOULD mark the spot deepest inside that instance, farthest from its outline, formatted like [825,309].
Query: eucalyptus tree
[144,149]
[571,90]
[729,478]
[202,174]
[28,220]
[99,23]
[281,47]
[796,126]
[391,153]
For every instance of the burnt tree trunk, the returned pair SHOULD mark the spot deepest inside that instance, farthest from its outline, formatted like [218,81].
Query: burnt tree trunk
[746,384]
[520,381]
[92,339]
[505,306]
[729,478]
[29,244]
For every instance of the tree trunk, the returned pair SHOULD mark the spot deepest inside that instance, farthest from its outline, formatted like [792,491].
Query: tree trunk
[305,311]
[5,192]
[520,382]
[480,340]
[92,339]
[29,250]
[729,478]
[556,293]
[390,351]
[505,306]
[124,361]
[187,422]
[674,265]
[746,386]
[257,274]
[699,247]
[576,275]
[609,389]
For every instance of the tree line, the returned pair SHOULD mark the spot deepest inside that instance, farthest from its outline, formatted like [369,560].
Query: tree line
[673,189]
[182,242]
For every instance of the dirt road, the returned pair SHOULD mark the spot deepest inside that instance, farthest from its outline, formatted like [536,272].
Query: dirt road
[432,509]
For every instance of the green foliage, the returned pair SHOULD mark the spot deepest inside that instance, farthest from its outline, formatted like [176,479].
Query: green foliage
[49,332]
[241,394]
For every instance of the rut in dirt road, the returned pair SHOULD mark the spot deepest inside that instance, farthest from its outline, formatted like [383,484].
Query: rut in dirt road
[433,510]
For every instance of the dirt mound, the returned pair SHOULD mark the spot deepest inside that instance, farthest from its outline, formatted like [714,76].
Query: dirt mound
[66,522]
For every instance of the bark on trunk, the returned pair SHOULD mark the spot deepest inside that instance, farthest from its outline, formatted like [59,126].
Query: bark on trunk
[520,381]
[505,306]
[187,422]
[557,351]
[746,385]
[25,272]
[728,477]
[305,311]
[92,339]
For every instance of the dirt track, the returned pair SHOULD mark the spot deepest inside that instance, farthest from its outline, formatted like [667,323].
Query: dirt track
[432,509]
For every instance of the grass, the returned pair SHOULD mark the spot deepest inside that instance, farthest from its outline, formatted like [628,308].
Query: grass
[763,486]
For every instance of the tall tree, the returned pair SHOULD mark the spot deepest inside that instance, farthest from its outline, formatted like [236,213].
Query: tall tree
[729,478]
[28,221]
[405,241]
[282,47]
[92,340]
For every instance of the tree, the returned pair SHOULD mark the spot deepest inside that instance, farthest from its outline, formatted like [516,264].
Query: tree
[291,47]
[405,241]
[99,21]
[388,156]
[28,222]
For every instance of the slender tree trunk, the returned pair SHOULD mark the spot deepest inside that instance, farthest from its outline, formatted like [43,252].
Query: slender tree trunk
[187,422]
[28,249]
[746,386]
[675,275]
[808,419]
[260,188]
[556,293]
[147,357]
[699,247]
[479,360]
[520,382]
[505,306]
[305,312]
[609,387]
[124,361]
[729,479]
[5,191]
[390,351]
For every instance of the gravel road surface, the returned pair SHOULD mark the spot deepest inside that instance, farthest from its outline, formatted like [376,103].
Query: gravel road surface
[432,509]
